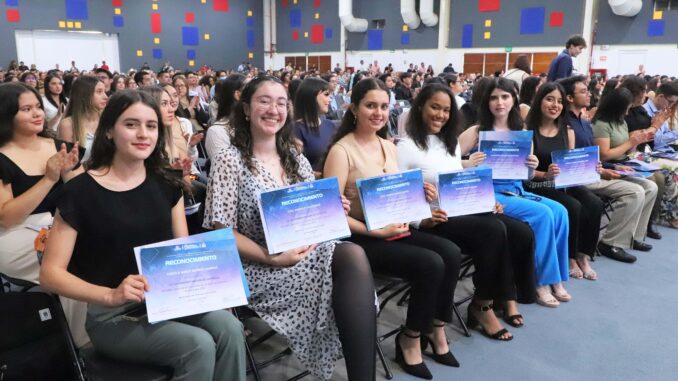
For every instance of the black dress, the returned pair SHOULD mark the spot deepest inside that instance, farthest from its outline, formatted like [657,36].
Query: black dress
[584,208]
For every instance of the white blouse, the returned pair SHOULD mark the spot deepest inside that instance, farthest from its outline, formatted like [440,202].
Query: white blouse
[432,161]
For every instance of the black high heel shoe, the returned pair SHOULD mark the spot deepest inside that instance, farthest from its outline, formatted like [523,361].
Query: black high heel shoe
[417,370]
[446,358]
[473,322]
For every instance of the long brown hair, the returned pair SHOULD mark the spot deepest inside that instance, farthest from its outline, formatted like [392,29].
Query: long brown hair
[80,105]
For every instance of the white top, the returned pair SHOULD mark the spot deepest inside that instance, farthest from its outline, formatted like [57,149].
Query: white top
[89,141]
[432,161]
[217,138]
[459,101]
[516,75]
[50,112]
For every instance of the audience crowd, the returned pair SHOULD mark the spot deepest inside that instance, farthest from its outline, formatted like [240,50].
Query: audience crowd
[115,158]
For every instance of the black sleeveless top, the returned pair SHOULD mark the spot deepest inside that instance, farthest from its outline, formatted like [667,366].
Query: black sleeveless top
[543,146]
[10,173]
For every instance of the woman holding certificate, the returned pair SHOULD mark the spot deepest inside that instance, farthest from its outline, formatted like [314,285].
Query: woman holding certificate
[128,198]
[429,262]
[431,144]
[584,209]
[548,219]
[321,297]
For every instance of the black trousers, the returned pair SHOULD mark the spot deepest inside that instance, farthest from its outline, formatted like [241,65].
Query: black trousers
[430,263]
[484,238]
[521,252]
[584,210]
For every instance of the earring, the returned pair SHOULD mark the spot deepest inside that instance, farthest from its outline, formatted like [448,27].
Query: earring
[355,120]
[247,118]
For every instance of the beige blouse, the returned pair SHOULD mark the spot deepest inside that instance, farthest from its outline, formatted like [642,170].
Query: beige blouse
[362,164]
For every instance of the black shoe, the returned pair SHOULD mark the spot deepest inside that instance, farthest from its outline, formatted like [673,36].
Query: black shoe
[641,246]
[445,359]
[417,370]
[616,253]
[652,232]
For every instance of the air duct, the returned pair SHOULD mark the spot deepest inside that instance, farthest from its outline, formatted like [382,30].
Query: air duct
[625,8]
[428,17]
[408,10]
[349,22]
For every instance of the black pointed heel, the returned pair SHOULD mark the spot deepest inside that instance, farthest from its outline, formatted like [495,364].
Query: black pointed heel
[446,358]
[417,370]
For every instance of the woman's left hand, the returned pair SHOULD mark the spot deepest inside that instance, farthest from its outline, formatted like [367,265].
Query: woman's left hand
[71,159]
[498,208]
[599,168]
[552,172]
[184,164]
[532,162]
[346,204]
[431,191]
[194,139]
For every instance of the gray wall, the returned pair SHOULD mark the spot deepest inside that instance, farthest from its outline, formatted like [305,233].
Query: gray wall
[421,38]
[328,17]
[505,29]
[226,48]
[613,29]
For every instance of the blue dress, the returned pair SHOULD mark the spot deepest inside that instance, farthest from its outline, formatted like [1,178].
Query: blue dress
[549,222]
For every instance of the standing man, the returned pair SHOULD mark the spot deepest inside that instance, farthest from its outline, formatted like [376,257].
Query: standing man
[106,77]
[562,66]
[632,202]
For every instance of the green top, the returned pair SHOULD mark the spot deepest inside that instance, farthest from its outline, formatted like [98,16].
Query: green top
[618,133]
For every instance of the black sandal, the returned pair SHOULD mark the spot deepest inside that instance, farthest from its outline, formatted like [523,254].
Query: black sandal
[513,320]
[473,322]
[445,358]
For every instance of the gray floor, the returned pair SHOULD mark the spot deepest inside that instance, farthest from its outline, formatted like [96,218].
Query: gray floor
[621,327]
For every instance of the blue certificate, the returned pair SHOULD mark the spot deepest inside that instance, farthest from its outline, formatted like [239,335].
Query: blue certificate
[506,153]
[303,214]
[466,192]
[192,275]
[394,198]
[578,166]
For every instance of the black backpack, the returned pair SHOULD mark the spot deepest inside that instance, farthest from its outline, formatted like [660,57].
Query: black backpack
[35,342]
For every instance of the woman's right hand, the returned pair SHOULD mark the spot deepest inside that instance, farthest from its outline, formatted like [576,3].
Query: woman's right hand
[638,138]
[477,158]
[57,163]
[131,289]
[291,257]
[391,230]
[552,172]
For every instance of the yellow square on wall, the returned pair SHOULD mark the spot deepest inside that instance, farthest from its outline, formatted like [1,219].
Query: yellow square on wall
[250,55]
[487,35]
[305,34]
[154,6]
[203,1]
[78,25]
[207,36]
[488,23]
[140,53]
[295,1]
[249,13]
[405,28]
[69,24]
[118,11]
[62,24]
[156,40]
[317,16]
[191,63]
[658,15]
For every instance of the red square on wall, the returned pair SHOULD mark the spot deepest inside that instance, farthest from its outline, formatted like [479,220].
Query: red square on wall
[116,3]
[295,35]
[220,5]
[556,19]
[190,17]
[316,3]
[284,3]
[489,5]
[317,33]
[13,15]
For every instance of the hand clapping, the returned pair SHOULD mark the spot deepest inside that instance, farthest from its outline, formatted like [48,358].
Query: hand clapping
[62,162]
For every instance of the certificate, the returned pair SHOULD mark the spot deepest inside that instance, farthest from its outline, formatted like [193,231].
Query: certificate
[393,198]
[466,192]
[303,214]
[192,275]
[578,166]
[506,153]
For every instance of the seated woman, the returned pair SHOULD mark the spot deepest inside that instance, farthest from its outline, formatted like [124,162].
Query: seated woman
[90,257]
[33,169]
[88,99]
[430,263]
[54,101]
[616,144]
[311,103]
[321,297]
[585,210]
[548,219]
[219,134]
[431,144]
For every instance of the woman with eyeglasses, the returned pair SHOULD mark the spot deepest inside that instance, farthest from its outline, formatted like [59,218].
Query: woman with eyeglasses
[313,131]
[321,296]
[548,219]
